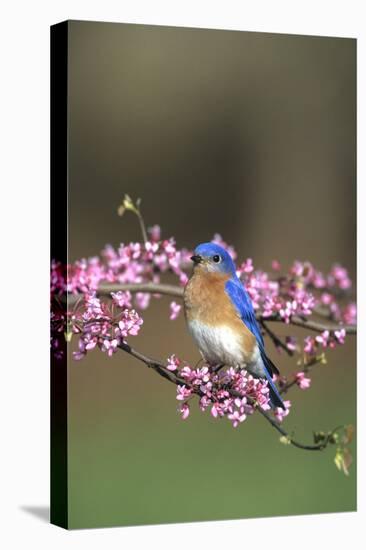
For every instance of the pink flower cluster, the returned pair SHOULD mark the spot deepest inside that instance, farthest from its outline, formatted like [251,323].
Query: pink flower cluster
[313,344]
[106,328]
[227,393]
[98,324]
[295,293]
[130,263]
[299,292]
[283,297]
[327,339]
[338,276]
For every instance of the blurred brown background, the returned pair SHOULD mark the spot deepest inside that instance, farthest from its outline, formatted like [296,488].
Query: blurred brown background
[247,134]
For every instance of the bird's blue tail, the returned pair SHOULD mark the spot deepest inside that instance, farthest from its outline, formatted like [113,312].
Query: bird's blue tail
[271,369]
[275,397]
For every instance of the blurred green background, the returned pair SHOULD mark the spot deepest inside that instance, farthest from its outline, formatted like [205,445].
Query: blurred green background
[247,134]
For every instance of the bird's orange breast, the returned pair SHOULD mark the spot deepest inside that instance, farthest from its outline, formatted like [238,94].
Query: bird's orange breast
[206,302]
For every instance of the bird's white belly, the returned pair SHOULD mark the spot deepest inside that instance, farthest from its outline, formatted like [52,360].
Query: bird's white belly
[219,344]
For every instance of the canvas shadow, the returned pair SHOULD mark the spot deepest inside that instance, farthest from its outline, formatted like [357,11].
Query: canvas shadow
[40,512]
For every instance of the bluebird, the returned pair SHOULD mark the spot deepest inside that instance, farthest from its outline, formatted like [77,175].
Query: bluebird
[221,319]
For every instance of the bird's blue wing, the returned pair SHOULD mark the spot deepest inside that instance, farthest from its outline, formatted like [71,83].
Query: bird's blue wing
[241,300]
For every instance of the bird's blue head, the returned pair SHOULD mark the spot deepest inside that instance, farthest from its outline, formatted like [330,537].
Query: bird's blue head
[213,258]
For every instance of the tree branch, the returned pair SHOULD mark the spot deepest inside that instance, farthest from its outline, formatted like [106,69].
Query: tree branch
[151,288]
[177,292]
[163,371]
[315,326]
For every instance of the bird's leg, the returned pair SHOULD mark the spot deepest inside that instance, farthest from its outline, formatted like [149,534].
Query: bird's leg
[216,368]
[198,362]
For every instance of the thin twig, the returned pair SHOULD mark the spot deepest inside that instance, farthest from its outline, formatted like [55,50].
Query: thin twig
[317,447]
[142,225]
[306,368]
[288,385]
[275,339]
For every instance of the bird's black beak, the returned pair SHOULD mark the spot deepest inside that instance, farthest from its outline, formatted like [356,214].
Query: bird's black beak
[196,259]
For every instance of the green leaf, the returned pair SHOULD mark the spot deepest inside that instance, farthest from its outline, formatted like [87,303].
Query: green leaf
[127,204]
[322,359]
[68,335]
[121,210]
[348,434]
[338,459]
[343,460]
[347,460]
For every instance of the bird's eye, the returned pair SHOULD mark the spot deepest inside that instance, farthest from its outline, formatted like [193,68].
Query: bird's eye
[216,258]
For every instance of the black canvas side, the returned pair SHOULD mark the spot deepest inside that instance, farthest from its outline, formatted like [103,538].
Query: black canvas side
[59,64]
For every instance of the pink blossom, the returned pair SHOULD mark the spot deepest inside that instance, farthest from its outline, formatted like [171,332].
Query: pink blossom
[288,310]
[186,372]
[340,335]
[247,266]
[135,250]
[174,310]
[196,376]
[280,413]
[122,299]
[269,306]
[326,298]
[339,277]
[93,305]
[216,410]
[184,411]
[318,280]
[323,338]
[309,345]
[276,266]
[169,248]
[305,301]
[183,393]
[173,363]
[78,355]
[350,314]
[110,346]
[183,278]
[155,233]
[130,323]
[89,341]
[302,381]
[204,402]
[335,311]
[291,342]
[151,248]
[297,268]
[236,417]
[142,300]
[230,374]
